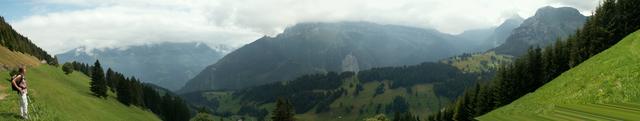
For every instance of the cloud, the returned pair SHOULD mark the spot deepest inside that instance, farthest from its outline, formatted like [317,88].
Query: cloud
[121,23]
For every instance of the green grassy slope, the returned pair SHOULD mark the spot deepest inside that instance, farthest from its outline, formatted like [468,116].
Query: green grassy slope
[610,78]
[422,100]
[56,96]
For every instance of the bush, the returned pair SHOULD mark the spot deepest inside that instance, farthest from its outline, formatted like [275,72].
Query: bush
[67,68]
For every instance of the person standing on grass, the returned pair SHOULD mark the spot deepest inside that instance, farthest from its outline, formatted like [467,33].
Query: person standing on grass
[19,82]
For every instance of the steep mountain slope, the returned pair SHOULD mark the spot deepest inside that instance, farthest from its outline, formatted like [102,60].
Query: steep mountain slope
[503,31]
[488,38]
[321,47]
[609,78]
[542,29]
[12,40]
[168,65]
[56,96]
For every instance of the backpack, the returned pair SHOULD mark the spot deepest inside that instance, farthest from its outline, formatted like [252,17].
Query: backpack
[14,88]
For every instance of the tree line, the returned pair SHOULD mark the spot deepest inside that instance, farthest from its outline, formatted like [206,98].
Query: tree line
[612,21]
[131,91]
[300,91]
[448,80]
[15,42]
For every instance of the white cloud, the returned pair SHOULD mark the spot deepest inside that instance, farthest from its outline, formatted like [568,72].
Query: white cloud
[119,23]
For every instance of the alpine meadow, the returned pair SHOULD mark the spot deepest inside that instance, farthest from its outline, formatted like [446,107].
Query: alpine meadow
[330,60]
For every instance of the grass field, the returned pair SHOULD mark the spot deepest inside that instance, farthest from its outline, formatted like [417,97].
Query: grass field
[422,101]
[479,62]
[606,86]
[56,96]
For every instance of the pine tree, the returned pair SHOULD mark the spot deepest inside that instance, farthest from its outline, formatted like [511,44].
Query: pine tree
[168,108]
[98,83]
[111,79]
[283,111]
[54,61]
[122,90]
[182,111]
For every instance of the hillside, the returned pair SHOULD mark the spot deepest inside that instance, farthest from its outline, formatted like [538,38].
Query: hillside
[14,41]
[11,59]
[56,96]
[169,65]
[308,48]
[609,78]
[52,94]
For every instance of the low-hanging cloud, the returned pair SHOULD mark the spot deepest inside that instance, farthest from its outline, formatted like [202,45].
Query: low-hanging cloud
[121,23]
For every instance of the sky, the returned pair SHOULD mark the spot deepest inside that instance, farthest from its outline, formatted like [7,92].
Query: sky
[62,25]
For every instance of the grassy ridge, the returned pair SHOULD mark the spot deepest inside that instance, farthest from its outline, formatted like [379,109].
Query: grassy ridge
[610,77]
[56,96]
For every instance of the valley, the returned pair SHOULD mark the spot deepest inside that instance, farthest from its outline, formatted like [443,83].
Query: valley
[275,60]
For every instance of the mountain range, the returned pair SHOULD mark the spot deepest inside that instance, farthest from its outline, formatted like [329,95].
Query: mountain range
[308,48]
[351,46]
[488,38]
[168,65]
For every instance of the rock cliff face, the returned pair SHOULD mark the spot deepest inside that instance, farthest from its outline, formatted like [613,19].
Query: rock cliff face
[544,28]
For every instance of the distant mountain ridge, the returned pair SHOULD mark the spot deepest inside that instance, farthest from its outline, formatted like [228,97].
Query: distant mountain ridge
[503,31]
[542,29]
[322,47]
[168,65]
[488,38]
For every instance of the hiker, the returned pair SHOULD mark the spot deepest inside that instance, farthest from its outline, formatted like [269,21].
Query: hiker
[19,83]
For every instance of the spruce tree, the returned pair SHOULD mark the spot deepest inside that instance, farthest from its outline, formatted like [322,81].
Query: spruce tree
[122,90]
[98,83]
[111,79]
[283,111]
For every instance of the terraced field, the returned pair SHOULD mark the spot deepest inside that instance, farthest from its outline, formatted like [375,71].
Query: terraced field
[582,112]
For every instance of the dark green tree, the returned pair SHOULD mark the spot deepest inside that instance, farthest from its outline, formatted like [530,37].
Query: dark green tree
[123,92]
[283,111]
[111,79]
[67,68]
[98,83]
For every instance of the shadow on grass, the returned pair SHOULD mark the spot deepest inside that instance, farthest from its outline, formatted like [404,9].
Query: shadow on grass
[9,114]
